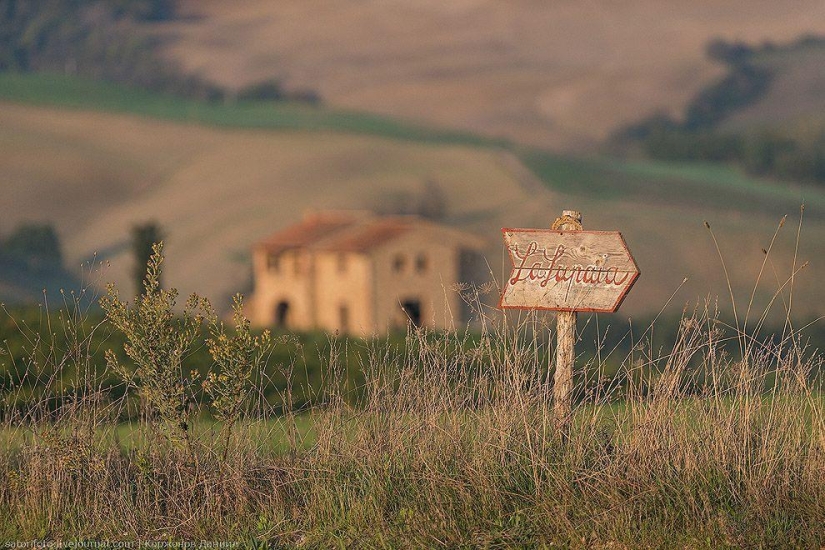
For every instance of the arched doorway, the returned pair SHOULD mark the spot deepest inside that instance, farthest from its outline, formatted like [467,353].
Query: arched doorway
[282,314]
[412,310]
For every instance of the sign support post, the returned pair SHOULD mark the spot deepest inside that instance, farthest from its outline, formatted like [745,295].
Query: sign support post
[567,270]
[570,220]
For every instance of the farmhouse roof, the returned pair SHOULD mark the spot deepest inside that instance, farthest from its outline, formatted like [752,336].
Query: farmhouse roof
[353,232]
[309,231]
[366,236]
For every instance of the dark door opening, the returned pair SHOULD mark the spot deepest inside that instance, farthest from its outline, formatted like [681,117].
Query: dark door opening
[282,314]
[412,309]
[343,318]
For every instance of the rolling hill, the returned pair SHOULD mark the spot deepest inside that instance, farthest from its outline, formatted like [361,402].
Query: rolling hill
[795,99]
[553,74]
[95,163]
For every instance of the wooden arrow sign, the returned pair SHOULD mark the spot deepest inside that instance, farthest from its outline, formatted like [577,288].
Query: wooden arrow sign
[567,270]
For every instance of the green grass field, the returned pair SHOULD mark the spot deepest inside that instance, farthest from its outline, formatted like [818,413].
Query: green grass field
[430,457]
[271,435]
[77,93]
[699,185]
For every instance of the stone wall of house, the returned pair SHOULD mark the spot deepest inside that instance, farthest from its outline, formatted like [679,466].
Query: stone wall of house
[420,267]
[283,290]
[344,293]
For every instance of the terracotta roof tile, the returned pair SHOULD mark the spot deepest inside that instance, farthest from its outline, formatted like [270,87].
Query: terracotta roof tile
[306,233]
[369,235]
[345,233]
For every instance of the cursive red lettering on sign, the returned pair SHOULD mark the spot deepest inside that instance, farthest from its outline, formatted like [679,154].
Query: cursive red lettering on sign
[535,263]
[567,270]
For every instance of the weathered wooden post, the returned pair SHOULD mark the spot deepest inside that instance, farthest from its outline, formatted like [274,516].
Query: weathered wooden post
[567,270]
[570,220]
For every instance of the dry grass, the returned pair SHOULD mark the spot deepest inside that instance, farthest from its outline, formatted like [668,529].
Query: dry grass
[449,442]
[552,74]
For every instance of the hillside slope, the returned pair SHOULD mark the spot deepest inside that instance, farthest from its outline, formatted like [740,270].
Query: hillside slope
[795,100]
[217,189]
[553,74]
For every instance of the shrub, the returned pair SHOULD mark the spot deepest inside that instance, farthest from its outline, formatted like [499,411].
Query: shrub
[238,359]
[157,340]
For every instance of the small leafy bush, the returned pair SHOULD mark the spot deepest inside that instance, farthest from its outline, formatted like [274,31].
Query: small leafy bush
[238,357]
[157,340]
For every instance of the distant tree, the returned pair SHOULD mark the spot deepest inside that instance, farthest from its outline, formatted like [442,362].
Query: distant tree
[433,202]
[818,153]
[272,90]
[762,149]
[775,150]
[98,39]
[429,202]
[144,236]
[742,86]
[731,53]
[310,97]
[658,123]
[396,203]
[35,246]
[267,90]
[149,10]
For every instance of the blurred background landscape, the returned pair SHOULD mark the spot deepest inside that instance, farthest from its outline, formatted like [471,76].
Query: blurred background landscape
[692,418]
[220,123]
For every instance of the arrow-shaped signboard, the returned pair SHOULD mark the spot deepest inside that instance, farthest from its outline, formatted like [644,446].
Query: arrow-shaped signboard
[567,270]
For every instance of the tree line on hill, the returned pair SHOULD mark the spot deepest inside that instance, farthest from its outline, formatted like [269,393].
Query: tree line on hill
[31,257]
[780,152]
[108,40]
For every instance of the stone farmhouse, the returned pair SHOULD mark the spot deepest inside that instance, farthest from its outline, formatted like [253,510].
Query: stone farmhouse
[359,274]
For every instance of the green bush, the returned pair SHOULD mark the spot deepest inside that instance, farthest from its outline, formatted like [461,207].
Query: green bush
[156,341]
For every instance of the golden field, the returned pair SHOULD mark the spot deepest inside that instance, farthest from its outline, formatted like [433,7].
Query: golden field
[555,74]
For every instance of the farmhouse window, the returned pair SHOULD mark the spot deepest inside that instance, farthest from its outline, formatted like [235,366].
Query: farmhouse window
[421,263]
[273,262]
[398,263]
